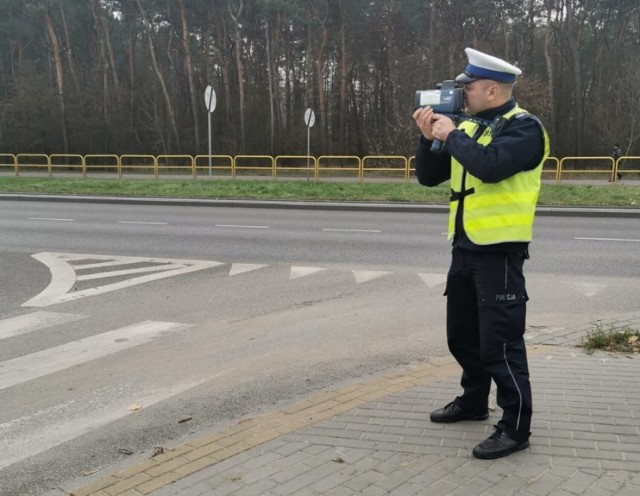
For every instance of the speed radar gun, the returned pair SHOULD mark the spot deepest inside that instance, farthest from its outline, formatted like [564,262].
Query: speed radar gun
[447,99]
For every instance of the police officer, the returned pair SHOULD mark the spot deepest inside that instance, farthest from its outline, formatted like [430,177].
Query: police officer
[494,165]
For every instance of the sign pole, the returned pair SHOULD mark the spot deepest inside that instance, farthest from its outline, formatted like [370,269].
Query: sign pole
[309,121]
[209,143]
[210,101]
[308,149]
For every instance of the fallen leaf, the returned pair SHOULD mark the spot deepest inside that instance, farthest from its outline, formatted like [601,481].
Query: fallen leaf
[133,407]
[125,451]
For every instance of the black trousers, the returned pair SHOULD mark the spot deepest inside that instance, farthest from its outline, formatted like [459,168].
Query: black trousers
[486,310]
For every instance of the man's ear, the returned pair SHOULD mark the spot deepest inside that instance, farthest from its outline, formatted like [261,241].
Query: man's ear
[494,91]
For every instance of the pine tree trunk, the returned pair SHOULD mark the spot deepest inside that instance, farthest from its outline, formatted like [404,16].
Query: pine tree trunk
[189,69]
[57,58]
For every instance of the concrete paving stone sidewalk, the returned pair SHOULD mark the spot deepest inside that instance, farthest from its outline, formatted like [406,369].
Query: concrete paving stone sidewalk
[375,438]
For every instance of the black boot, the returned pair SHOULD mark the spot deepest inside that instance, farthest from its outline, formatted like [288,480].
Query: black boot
[497,445]
[453,412]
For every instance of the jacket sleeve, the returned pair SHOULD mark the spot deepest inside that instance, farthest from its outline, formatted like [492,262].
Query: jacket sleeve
[431,168]
[518,147]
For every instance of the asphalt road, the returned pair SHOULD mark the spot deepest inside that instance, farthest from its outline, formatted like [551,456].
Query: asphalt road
[127,327]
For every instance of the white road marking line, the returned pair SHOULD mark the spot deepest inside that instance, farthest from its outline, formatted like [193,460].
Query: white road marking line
[297,272]
[112,263]
[375,231]
[609,239]
[117,273]
[35,321]
[242,227]
[63,276]
[142,223]
[52,360]
[433,280]
[367,275]
[239,268]
[51,219]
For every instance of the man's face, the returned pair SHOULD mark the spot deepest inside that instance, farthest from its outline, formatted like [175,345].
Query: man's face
[478,95]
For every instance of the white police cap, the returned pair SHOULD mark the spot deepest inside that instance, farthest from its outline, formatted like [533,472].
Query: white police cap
[483,66]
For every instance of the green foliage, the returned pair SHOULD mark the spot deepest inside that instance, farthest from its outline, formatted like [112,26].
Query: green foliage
[368,57]
[617,339]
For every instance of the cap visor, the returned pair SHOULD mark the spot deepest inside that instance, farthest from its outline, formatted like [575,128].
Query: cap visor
[464,78]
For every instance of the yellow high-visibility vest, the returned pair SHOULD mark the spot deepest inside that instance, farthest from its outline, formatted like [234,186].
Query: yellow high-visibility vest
[500,212]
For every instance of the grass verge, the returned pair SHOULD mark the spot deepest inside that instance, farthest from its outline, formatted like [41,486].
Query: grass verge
[617,339]
[604,195]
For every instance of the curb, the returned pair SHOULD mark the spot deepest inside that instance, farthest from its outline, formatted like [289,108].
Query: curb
[309,205]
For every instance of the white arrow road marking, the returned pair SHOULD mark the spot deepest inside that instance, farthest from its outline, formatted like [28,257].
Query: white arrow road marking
[49,361]
[433,280]
[367,275]
[239,268]
[32,322]
[589,289]
[297,272]
[63,274]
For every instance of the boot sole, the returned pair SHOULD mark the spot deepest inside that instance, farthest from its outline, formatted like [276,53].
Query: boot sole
[459,419]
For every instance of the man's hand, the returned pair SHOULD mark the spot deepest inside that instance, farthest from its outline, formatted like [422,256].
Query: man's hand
[432,125]
[441,127]
[423,118]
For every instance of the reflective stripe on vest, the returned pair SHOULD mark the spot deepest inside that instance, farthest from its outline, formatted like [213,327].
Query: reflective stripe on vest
[500,212]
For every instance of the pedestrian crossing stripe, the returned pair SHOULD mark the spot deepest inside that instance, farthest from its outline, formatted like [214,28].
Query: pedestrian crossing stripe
[49,361]
[64,270]
[26,435]
[35,321]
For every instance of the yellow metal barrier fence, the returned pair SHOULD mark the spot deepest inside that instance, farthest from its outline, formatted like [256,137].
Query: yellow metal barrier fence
[13,165]
[34,156]
[290,165]
[272,165]
[64,161]
[555,172]
[191,167]
[309,165]
[96,162]
[619,170]
[229,167]
[610,171]
[135,163]
[333,168]
[404,165]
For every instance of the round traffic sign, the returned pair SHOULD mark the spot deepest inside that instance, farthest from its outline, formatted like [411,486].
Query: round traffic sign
[210,98]
[309,118]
